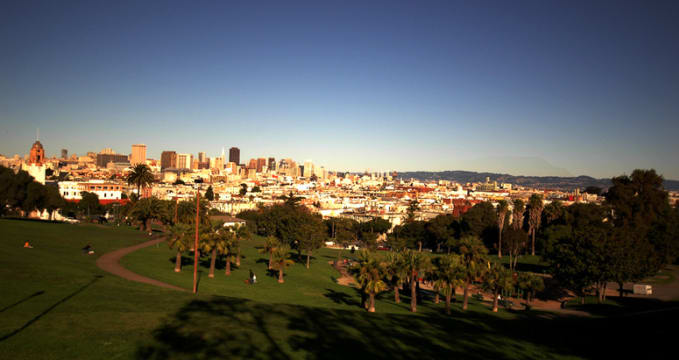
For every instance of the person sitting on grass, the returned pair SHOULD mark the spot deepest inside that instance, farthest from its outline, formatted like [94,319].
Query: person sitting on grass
[88,250]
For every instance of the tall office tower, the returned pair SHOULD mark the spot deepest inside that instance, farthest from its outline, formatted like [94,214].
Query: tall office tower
[64,154]
[252,164]
[308,169]
[138,154]
[234,155]
[201,156]
[184,161]
[272,164]
[168,159]
[261,163]
[103,159]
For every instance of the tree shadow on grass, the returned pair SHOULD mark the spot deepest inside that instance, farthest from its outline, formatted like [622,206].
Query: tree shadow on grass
[37,293]
[46,311]
[339,297]
[222,327]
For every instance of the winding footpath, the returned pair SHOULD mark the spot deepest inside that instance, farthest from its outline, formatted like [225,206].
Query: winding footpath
[110,262]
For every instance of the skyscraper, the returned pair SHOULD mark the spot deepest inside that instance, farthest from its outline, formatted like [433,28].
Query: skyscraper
[234,155]
[168,159]
[138,154]
[272,164]
[261,163]
[308,169]
[184,161]
[64,154]
[201,156]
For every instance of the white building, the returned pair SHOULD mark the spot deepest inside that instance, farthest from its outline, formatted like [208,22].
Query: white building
[72,190]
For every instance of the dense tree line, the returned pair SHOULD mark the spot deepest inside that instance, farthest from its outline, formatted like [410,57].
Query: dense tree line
[21,194]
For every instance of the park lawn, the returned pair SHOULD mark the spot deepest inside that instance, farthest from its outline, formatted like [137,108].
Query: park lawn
[56,303]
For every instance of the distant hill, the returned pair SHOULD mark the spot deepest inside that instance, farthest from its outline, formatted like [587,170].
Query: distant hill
[541,182]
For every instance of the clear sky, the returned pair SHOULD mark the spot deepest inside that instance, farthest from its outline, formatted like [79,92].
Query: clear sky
[586,87]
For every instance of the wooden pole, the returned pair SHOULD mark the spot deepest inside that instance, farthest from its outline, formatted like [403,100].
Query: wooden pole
[195,246]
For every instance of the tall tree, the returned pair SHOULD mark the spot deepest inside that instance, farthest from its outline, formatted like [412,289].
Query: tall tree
[370,270]
[473,255]
[515,241]
[180,239]
[451,273]
[140,176]
[395,273]
[270,244]
[502,208]
[416,265]
[535,206]
[209,243]
[209,193]
[146,210]
[517,213]
[496,279]
[241,233]
[281,260]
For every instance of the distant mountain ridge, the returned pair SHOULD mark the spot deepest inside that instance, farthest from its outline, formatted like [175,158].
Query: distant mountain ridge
[541,182]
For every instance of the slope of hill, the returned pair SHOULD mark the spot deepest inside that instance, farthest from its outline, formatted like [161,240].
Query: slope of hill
[542,182]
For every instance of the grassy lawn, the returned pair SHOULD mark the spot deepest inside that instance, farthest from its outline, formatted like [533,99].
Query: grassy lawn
[57,304]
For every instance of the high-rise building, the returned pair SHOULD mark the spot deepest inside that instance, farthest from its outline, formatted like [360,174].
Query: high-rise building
[261,163]
[252,164]
[234,155]
[37,156]
[184,161]
[64,154]
[308,169]
[168,159]
[138,154]
[104,159]
[272,164]
[201,157]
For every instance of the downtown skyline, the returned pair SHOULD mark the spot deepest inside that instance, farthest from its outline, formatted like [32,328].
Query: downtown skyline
[590,89]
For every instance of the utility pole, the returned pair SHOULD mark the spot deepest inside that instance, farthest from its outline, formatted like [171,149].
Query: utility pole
[195,246]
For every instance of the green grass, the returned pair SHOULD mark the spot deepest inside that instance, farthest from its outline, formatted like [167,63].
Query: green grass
[57,304]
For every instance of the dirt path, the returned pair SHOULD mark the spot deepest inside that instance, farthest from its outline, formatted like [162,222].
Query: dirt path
[110,262]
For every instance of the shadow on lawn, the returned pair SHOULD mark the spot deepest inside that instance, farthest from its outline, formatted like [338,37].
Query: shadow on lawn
[223,327]
[29,297]
[37,317]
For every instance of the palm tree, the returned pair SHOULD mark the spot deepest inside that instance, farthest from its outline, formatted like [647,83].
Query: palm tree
[140,176]
[530,284]
[534,217]
[370,273]
[281,259]
[517,213]
[502,208]
[473,255]
[209,243]
[496,279]
[242,233]
[270,244]
[146,210]
[451,275]
[395,273]
[180,239]
[226,243]
[416,265]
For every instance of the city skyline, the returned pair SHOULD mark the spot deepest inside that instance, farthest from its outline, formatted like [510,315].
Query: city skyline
[536,87]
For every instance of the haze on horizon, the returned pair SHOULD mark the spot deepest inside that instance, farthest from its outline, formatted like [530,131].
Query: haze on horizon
[522,87]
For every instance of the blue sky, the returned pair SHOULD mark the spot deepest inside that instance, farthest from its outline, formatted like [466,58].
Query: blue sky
[590,87]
